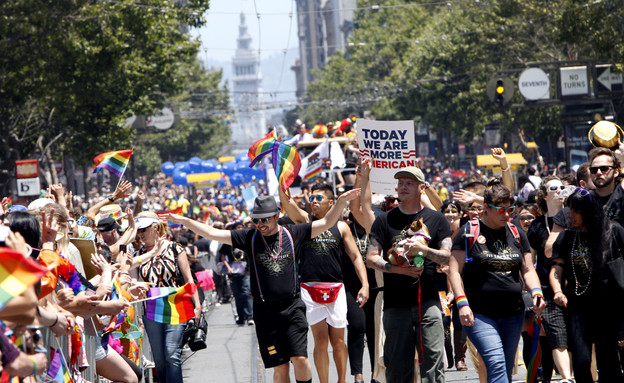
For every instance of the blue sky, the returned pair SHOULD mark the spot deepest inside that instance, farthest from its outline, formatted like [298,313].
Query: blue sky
[270,33]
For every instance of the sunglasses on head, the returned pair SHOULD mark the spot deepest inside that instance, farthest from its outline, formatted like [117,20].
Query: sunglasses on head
[263,220]
[603,169]
[318,198]
[583,192]
[501,210]
[555,187]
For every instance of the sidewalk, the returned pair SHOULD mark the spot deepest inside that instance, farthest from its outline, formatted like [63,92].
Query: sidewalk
[232,356]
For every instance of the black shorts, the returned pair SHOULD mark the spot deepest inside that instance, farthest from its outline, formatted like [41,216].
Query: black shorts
[555,325]
[282,331]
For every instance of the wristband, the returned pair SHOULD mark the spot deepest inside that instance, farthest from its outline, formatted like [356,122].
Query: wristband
[537,291]
[461,301]
[111,198]
[507,169]
[34,365]
[55,321]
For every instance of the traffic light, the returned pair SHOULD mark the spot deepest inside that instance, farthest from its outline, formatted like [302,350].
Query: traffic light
[500,91]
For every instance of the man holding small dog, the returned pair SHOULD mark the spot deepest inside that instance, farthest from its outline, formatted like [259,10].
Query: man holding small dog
[412,312]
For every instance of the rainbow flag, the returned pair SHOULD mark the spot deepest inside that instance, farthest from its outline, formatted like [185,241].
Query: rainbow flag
[57,370]
[536,351]
[115,162]
[17,273]
[286,162]
[170,305]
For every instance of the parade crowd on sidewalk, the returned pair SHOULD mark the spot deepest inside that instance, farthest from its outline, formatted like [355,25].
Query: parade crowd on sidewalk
[454,265]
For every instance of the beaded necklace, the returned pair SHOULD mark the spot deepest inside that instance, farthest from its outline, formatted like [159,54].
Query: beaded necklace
[577,284]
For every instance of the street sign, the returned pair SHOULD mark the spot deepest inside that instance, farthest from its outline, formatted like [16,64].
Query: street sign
[27,187]
[606,80]
[26,168]
[163,120]
[574,81]
[534,84]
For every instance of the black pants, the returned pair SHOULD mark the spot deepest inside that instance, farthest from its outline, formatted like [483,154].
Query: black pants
[361,322]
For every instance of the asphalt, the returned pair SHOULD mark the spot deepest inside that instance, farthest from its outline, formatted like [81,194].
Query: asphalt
[232,356]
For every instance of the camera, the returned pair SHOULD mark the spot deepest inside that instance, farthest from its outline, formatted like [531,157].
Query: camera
[195,334]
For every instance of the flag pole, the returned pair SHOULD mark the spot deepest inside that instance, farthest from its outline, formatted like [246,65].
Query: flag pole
[124,171]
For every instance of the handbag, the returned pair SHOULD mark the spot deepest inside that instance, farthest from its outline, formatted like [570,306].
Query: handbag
[323,292]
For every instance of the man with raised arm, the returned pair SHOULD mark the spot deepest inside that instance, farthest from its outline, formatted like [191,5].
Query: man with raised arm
[279,313]
[412,311]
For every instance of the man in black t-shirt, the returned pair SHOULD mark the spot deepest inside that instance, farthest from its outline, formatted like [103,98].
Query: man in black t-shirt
[281,326]
[412,311]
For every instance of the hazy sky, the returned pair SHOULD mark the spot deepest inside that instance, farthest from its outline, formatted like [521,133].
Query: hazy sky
[270,33]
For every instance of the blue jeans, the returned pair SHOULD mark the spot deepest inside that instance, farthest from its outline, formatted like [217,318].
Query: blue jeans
[403,336]
[164,341]
[497,342]
[242,295]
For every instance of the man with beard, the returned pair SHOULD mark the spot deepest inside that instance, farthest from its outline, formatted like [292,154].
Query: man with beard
[322,288]
[279,313]
[604,172]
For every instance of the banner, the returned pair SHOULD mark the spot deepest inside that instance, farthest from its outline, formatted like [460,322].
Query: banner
[391,145]
[312,164]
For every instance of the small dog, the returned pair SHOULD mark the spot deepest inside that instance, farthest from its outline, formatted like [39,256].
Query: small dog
[397,255]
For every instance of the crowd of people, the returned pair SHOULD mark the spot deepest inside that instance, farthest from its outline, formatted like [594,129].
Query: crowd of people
[448,266]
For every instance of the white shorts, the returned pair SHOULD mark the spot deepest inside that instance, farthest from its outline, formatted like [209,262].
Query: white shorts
[335,313]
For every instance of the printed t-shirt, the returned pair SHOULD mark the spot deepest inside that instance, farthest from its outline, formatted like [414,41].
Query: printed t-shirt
[321,257]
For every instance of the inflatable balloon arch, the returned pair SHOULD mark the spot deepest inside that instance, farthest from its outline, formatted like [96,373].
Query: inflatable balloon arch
[196,170]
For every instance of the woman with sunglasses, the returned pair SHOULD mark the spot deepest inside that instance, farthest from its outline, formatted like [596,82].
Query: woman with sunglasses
[550,203]
[164,260]
[486,273]
[583,285]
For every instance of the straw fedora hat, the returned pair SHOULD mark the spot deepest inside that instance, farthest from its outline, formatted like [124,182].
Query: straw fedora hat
[605,134]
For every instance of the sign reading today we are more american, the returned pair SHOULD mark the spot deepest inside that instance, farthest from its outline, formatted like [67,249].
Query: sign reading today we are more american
[391,145]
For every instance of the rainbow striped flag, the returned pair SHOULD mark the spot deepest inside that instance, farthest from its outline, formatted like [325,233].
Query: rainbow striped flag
[115,162]
[170,305]
[286,161]
[17,273]
[57,371]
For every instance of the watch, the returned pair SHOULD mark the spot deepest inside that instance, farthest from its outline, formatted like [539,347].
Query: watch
[427,184]
[111,198]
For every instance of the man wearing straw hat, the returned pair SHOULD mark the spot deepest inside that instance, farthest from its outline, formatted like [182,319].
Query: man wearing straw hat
[279,313]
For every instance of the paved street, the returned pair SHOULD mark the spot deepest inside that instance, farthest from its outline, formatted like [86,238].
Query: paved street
[232,356]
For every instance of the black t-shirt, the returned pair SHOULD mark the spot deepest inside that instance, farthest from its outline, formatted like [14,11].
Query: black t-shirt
[391,227]
[562,218]
[614,207]
[587,284]
[321,257]
[538,234]
[276,278]
[491,275]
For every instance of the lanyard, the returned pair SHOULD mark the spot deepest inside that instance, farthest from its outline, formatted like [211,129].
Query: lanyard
[253,256]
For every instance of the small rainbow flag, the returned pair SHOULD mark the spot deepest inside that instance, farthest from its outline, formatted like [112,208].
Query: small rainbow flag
[286,161]
[17,273]
[57,370]
[170,305]
[115,162]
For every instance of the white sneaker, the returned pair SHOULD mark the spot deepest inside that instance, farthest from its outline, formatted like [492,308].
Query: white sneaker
[147,363]
[250,322]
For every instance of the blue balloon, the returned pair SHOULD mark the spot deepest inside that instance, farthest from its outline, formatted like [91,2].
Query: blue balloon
[196,164]
[236,179]
[183,166]
[167,168]
[208,166]
[243,164]
[241,157]
[179,177]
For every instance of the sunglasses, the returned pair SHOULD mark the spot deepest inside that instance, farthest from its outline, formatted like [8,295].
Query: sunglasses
[501,210]
[603,169]
[583,192]
[318,198]
[134,334]
[263,220]
[555,187]
[142,230]
[526,218]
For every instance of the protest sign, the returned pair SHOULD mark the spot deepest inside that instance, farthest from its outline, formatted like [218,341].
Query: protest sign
[391,145]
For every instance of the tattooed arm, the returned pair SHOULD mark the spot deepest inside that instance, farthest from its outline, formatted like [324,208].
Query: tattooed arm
[440,256]
[376,261]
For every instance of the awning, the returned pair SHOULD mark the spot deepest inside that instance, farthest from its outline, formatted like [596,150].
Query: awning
[513,159]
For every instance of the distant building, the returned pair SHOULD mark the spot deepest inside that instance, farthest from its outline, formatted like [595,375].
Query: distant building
[324,26]
[250,123]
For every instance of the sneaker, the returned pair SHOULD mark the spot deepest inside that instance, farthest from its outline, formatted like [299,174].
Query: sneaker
[461,365]
[250,322]
[147,363]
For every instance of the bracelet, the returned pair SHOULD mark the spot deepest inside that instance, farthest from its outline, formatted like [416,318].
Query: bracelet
[506,170]
[34,365]
[461,301]
[55,321]
[537,291]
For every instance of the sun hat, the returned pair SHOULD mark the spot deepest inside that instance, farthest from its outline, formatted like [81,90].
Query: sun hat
[264,207]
